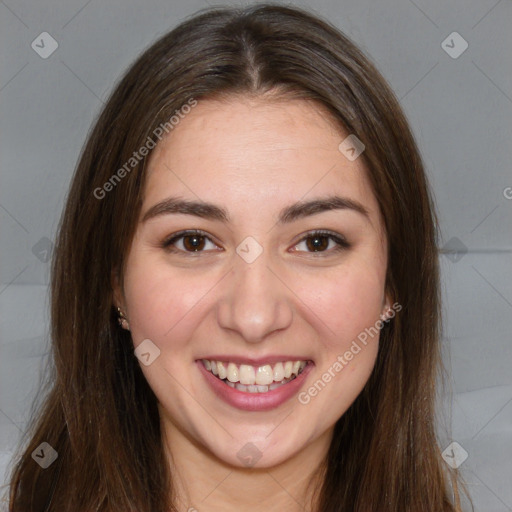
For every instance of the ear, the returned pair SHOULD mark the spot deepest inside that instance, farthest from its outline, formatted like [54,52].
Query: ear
[117,289]
[387,303]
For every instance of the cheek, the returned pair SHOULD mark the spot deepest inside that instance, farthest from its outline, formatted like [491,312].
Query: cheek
[347,302]
[161,302]
[345,311]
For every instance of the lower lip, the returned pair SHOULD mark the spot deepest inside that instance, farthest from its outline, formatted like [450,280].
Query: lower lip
[255,401]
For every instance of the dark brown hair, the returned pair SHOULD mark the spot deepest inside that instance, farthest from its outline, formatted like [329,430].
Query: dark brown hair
[100,414]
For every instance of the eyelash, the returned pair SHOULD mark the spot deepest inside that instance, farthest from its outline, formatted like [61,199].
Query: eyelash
[341,242]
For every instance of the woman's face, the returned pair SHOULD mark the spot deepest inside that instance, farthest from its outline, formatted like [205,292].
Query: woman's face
[256,289]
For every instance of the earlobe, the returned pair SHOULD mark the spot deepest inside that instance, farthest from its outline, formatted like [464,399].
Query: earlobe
[387,307]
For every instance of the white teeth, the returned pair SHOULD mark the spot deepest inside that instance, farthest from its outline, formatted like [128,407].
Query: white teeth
[278,372]
[221,369]
[253,388]
[258,379]
[247,374]
[264,375]
[233,373]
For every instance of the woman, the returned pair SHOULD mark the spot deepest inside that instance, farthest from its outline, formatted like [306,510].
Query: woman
[245,309]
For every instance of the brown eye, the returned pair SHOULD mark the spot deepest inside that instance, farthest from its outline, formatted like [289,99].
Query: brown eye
[317,243]
[193,242]
[322,242]
[188,242]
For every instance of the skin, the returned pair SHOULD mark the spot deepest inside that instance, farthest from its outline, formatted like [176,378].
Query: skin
[253,157]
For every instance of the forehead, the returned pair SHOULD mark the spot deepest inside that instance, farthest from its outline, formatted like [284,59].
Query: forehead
[257,151]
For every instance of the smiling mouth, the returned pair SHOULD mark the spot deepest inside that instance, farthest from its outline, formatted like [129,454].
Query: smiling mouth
[255,379]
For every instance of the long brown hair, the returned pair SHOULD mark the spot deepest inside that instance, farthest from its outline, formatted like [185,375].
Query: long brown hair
[100,414]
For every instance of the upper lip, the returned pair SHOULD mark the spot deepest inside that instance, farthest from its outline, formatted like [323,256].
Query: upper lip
[256,361]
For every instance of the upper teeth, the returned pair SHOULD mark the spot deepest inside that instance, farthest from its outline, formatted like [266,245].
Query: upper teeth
[250,375]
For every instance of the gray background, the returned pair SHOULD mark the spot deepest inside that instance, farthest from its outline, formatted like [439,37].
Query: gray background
[459,109]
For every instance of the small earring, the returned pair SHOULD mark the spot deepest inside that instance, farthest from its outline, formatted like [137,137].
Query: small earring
[123,322]
[385,316]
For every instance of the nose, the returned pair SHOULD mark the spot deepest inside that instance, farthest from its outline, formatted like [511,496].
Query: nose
[255,301]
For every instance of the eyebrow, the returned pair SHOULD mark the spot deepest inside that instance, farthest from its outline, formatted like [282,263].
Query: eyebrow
[299,210]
